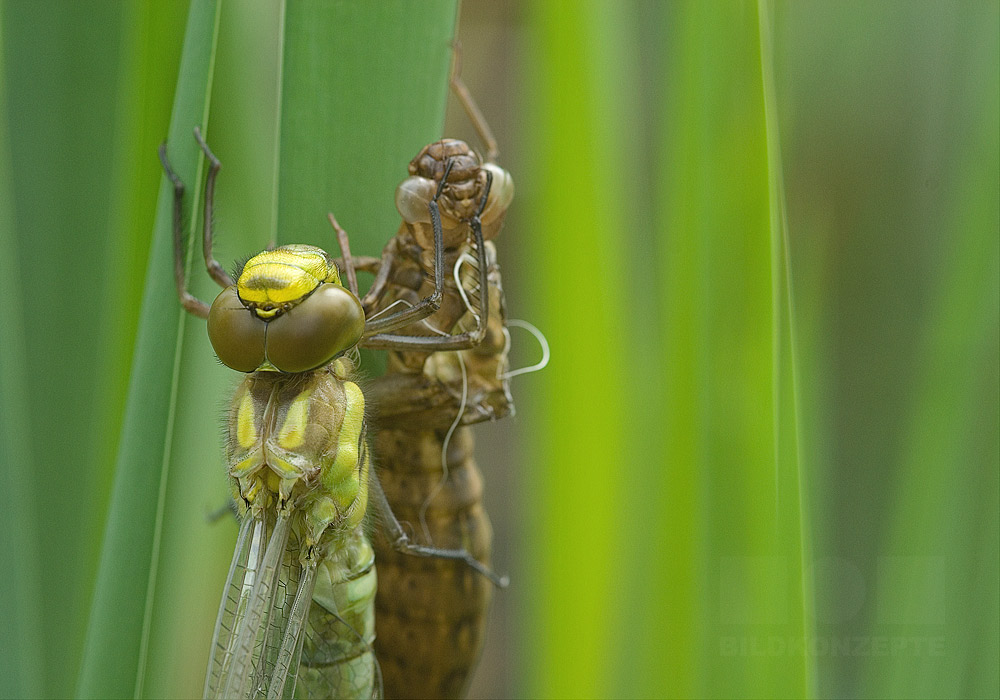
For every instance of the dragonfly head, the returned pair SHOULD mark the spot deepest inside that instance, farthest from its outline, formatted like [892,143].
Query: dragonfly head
[287,312]
[433,159]
[465,181]
[461,197]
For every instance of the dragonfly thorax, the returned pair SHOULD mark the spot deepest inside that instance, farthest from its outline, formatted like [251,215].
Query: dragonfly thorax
[461,197]
[296,444]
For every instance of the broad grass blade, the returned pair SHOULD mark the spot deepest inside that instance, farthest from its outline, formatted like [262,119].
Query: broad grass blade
[114,662]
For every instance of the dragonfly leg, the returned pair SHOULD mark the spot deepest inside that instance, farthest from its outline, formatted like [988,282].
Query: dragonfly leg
[385,266]
[215,270]
[191,303]
[459,341]
[229,509]
[400,541]
[345,252]
[472,110]
[364,263]
[432,302]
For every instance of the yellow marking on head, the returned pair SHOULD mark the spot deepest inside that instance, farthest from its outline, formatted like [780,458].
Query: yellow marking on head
[293,429]
[246,431]
[284,275]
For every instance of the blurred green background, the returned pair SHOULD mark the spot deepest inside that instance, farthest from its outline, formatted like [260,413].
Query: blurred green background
[763,241]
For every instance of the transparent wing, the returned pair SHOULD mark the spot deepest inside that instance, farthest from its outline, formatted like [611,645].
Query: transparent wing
[250,650]
[337,662]
[268,654]
[281,635]
[337,659]
[235,598]
[282,684]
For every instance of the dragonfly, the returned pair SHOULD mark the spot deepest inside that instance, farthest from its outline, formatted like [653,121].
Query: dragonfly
[297,614]
[432,614]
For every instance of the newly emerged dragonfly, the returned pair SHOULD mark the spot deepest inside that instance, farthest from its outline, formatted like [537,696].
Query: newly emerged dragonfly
[297,615]
[432,614]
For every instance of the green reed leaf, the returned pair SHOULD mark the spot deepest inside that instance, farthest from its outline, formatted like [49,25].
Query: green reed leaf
[115,654]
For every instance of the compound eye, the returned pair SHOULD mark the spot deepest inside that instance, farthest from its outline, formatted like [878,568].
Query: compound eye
[314,331]
[236,333]
[412,196]
[501,193]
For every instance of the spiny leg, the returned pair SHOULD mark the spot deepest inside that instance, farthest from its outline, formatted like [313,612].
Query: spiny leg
[191,303]
[215,270]
[400,541]
[380,267]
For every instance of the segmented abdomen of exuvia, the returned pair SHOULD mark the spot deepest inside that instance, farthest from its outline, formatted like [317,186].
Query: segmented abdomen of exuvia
[431,612]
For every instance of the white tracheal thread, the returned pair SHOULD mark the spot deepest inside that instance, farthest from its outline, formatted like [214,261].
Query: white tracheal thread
[444,464]
[444,451]
[463,258]
[542,341]
[389,307]
[518,323]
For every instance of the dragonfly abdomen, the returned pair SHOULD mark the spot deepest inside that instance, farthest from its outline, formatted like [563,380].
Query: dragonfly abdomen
[432,615]
[434,605]
[337,656]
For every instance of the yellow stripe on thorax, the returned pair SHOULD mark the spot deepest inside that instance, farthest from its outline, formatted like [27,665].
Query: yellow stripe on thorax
[340,478]
[246,429]
[361,504]
[293,430]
